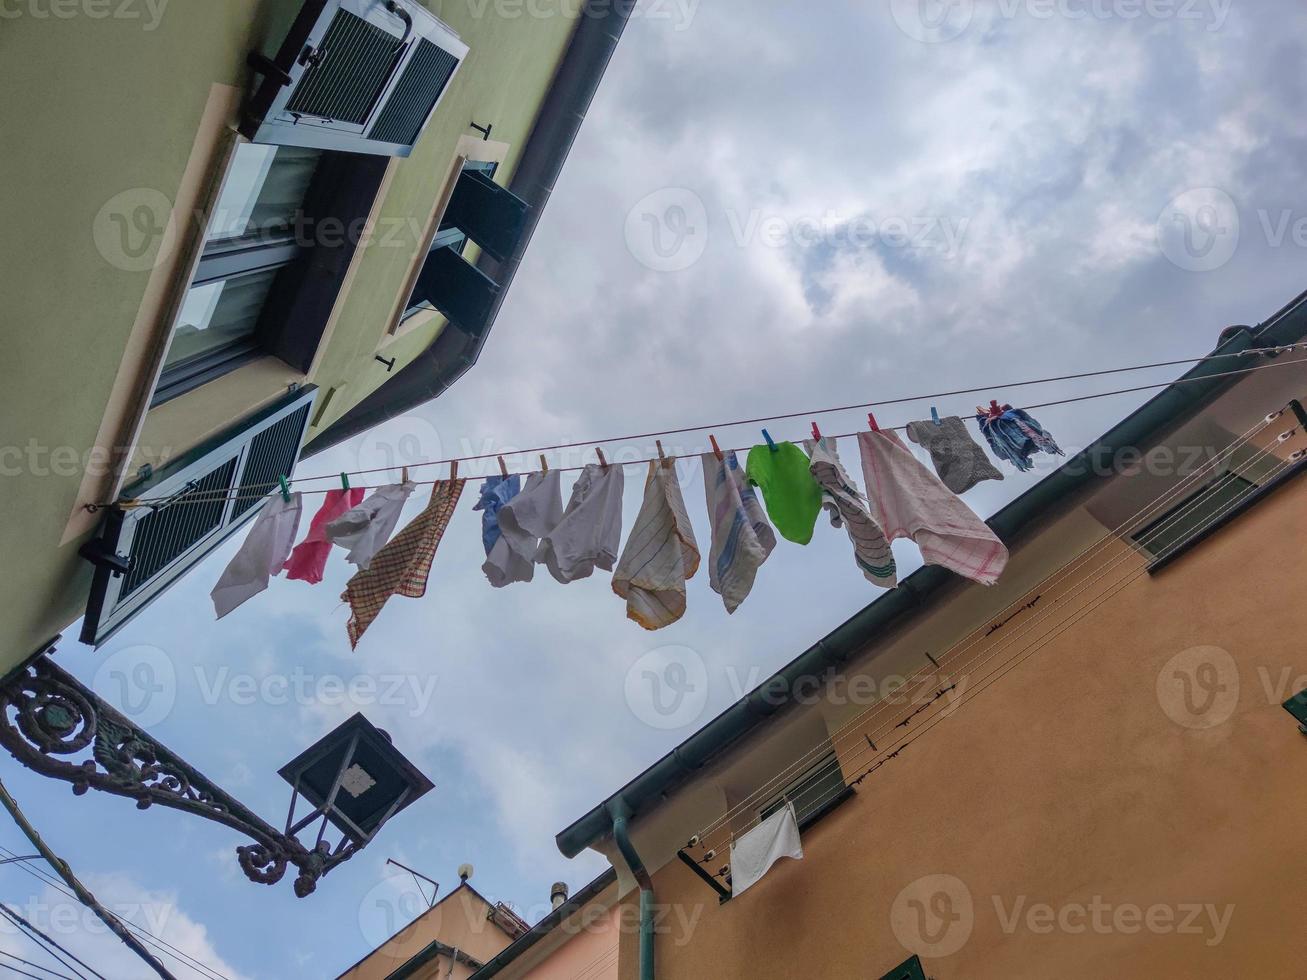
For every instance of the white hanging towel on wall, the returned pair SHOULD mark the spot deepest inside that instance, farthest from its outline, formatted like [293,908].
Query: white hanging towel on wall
[365,529]
[756,851]
[261,555]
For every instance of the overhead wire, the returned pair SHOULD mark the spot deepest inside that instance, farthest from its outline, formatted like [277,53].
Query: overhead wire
[145,935]
[858,724]
[36,966]
[259,490]
[47,943]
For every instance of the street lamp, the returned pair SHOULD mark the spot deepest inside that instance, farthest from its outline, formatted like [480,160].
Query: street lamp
[353,778]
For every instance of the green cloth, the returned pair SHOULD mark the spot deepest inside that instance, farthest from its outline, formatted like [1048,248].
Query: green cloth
[792,496]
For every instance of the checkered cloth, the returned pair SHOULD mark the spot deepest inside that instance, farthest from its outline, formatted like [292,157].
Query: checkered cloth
[402,566]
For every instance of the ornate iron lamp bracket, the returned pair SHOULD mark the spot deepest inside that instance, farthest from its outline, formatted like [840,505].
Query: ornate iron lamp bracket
[54,725]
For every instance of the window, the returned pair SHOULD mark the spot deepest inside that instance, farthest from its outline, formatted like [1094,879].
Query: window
[813,793]
[1297,706]
[1194,516]
[252,235]
[909,970]
[449,235]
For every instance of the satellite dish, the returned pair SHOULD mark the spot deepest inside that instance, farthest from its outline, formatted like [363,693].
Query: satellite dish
[464,872]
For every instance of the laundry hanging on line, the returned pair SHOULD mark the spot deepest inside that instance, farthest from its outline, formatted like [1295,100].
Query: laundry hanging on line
[660,554]
[309,559]
[364,529]
[847,508]
[784,475]
[741,537]
[959,462]
[755,852]
[402,566]
[262,554]
[590,532]
[522,521]
[1014,436]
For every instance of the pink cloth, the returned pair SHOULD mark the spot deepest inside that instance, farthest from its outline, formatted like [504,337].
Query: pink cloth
[309,558]
[909,501]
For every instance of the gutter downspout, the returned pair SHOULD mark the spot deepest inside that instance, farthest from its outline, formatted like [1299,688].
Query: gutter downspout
[621,813]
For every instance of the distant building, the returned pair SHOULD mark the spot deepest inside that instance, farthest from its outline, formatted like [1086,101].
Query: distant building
[1084,771]
[190,310]
[467,937]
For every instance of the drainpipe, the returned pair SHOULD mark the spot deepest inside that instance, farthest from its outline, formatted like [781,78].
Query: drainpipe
[621,812]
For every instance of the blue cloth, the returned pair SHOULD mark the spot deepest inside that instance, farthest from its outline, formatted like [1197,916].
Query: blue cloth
[1015,437]
[495,492]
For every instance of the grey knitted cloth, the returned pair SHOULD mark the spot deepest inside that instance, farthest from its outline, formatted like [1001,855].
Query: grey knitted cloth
[958,459]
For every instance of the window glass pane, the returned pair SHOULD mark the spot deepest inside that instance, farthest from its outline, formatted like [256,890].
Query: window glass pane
[265,188]
[1191,518]
[218,315]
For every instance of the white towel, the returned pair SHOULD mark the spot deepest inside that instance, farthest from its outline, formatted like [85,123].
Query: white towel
[847,508]
[741,537]
[660,554]
[365,529]
[909,501]
[533,513]
[590,532]
[756,851]
[261,555]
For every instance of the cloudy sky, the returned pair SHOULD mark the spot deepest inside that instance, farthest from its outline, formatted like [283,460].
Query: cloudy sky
[772,208]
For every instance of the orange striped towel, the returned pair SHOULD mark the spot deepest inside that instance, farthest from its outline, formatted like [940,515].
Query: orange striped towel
[402,566]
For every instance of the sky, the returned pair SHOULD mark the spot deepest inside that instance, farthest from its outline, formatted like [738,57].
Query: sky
[772,208]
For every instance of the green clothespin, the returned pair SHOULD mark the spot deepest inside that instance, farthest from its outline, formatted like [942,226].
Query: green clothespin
[285,489]
[344,481]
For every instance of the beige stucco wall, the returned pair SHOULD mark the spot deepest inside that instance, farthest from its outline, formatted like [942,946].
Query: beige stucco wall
[459,920]
[111,111]
[1071,819]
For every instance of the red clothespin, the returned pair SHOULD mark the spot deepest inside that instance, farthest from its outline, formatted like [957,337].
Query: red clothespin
[994,410]
[816,432]
[717,450]
[503,468]
[871,420]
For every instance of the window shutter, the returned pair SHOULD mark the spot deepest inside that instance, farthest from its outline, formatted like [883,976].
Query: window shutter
[1297,706]
[143,550]
[490,215]
[458,289]
[360,76]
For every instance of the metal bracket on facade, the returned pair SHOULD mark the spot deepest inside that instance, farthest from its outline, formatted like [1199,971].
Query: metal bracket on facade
[47,717]
[723,893]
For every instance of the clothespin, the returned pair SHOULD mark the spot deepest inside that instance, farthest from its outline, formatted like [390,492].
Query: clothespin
[717,450]
[503,468]
[934,414]
[344,481]
[871,420]
[662,456]
[544,466]
[770,445]
[994,410]
[404,475]
[453,469]
[602,460]
[285,489]
[816,432]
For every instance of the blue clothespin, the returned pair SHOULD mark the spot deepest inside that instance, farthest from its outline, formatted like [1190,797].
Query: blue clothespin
[934,414]
[770,445]
[285,490]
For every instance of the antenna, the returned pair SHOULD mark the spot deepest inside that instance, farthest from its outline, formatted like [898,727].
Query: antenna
[419,878]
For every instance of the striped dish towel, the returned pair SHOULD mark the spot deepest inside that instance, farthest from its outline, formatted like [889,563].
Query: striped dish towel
[403,564]
[741,537]
[848,509]
[660,554]
[909,501]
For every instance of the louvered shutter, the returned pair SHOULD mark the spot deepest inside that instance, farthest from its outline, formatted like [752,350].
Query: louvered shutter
[361,76]
[492,216]
[458,289]
[196,510]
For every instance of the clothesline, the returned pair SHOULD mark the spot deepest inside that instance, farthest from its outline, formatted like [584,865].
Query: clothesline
[257,491]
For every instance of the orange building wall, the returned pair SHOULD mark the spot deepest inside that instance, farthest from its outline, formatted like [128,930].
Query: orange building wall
[589,952]
[1074,820]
